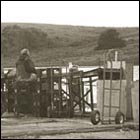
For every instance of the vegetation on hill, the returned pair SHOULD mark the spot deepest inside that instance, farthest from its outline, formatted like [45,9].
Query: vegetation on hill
[110,39]
[60,44]
[15,38]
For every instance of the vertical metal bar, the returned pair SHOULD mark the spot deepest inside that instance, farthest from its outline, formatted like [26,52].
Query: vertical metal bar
[104,78]
[110,98]
[71,96]
[39,96]
[120,85]
[59,98]
[81,84]
[91,93]
[52,86]
[66,79]
[80,90]
[67,107]
[82,93]
[47,94]
[83,104]
[60,93]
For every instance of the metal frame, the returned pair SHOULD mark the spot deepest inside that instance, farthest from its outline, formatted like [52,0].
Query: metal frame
[110,89]
[68,96]
[82,102]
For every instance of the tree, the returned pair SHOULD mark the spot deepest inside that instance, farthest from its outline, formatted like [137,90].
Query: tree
[110,39]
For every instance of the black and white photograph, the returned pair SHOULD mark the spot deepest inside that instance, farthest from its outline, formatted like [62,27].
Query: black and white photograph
[69,69]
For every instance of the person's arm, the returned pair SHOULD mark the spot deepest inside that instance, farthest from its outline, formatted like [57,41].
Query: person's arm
[29,66]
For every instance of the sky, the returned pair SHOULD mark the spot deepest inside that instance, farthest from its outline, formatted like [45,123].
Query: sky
[83,13]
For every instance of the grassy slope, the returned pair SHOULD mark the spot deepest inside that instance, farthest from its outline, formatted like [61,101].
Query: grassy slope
[75,44]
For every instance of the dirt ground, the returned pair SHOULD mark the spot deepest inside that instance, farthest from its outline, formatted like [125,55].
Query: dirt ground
[90,135]
[96,135]
[32,128]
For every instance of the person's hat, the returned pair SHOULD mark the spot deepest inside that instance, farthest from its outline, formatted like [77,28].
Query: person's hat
[25,52]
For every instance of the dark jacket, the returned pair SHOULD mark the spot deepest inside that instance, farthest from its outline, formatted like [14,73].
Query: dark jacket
[24,67]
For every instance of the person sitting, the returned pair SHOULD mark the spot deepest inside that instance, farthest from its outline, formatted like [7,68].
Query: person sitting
[25,82]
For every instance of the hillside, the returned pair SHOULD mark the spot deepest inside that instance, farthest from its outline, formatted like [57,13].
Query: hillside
[60,44]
